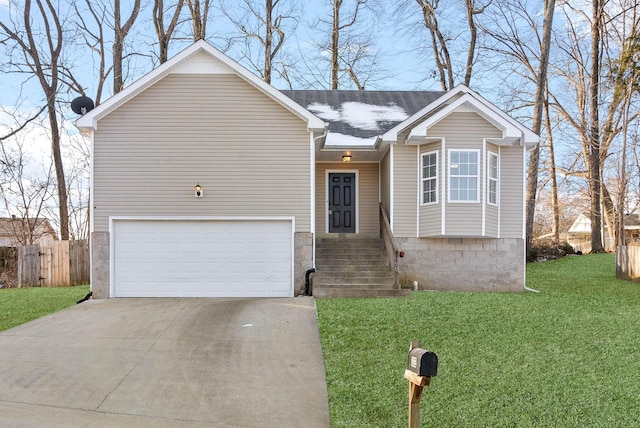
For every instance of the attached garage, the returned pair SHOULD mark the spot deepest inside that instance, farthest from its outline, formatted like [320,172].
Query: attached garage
[195,257]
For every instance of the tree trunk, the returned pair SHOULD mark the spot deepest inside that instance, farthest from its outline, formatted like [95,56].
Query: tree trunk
[541,85]
[555,204]
[268,40]
[199,16]
[164,35]
[473,31]
[335,40]
[120,33]
[59,167]
[594,131]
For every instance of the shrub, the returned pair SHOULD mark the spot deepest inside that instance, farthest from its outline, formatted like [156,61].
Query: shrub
[548,250]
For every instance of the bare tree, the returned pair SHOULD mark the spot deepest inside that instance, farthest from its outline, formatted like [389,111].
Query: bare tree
[538,111]
[38,39]
[440,41]
[264,23]
[594,149]
[199,10]
[354,48]
[346,46]
[165,32]
[77,155]
[592,92]
[555,201]
[94,38]
[624,76]
[120,32]
[510,21]
[25,194]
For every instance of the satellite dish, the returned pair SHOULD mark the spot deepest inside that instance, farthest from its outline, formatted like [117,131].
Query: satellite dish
[82,105]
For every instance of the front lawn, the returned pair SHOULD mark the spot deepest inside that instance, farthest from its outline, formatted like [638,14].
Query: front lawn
[19,305]
[568,356]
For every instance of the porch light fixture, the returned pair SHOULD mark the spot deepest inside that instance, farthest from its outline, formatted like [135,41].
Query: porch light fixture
[346,158]
[199,192]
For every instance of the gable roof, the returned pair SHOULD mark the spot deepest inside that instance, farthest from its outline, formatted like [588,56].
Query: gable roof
[365,119]
[14,228]
[462,98]
[352,120]
[361,115]
[89,121]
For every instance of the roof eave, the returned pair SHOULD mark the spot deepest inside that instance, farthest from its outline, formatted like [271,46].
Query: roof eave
[88,122]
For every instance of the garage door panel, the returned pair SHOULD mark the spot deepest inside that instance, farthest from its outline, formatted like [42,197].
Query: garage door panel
[202,258]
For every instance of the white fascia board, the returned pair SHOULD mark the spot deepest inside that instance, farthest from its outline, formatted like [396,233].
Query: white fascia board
[392,134]
[529,138]
[513,131]
[88,122]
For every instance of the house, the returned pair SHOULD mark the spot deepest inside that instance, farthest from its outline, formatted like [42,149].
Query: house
[15,232]
[579,234]
[207,181]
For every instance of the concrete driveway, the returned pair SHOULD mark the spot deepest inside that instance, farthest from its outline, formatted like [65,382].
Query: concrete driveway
[168,362]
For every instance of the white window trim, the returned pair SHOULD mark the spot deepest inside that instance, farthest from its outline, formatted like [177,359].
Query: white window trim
[478,176]
[423,179]
[490,179]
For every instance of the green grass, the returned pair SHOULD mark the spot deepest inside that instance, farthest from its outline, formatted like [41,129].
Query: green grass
[566,357]
[19,305]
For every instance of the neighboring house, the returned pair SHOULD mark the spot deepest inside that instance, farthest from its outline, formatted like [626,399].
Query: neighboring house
[207,181]
[15,232]
[579,234]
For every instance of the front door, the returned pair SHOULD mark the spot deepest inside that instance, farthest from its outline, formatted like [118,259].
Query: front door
[342,202]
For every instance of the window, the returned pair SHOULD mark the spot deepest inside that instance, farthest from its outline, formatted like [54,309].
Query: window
[492,177]
[430,178]
[463,175]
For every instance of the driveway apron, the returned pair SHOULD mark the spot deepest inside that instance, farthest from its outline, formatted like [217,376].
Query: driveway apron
[166,362]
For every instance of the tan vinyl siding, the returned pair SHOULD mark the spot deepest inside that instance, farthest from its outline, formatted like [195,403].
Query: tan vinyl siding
[431,214]
[385,182]
[250,155]
[430,220]
[405,191]
[491,221]
[464,220]
[367,195]
[511,192]
[464,131]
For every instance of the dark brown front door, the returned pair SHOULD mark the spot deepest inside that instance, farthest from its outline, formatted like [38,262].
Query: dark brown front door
[342,202]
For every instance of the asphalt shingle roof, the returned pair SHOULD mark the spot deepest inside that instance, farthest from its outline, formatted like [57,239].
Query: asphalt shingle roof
[362,114]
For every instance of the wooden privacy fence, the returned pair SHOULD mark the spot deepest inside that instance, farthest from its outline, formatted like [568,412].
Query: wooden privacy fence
[628,263]
[58,264]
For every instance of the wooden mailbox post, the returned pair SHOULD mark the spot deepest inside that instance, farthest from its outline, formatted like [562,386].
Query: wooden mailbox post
[421,366]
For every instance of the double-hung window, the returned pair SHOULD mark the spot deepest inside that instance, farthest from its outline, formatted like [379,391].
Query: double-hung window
[492,178]
[430,178]
[463,175]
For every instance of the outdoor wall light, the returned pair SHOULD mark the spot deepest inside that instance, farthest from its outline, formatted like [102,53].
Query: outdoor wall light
[346,158]
[199,192]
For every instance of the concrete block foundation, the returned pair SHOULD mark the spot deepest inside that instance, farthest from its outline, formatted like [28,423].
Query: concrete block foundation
[463,264]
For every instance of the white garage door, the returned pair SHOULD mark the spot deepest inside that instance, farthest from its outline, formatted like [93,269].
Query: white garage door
[202,258]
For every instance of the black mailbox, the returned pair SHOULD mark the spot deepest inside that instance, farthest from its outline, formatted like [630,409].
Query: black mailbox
[423,362]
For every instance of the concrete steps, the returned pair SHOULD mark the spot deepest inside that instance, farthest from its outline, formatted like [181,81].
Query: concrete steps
[348,265]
